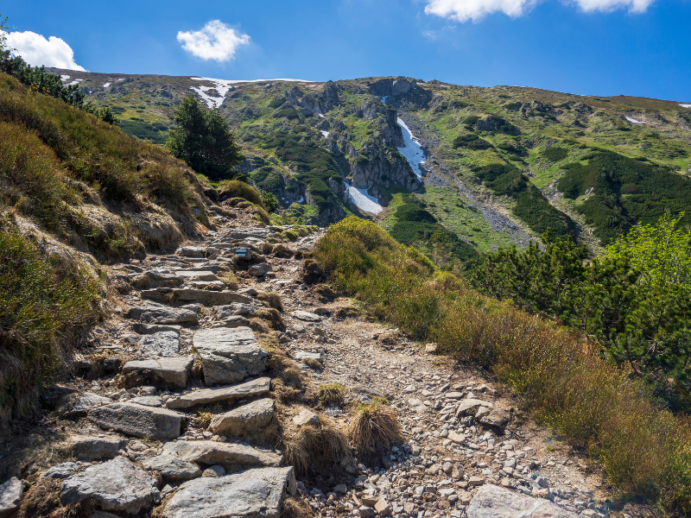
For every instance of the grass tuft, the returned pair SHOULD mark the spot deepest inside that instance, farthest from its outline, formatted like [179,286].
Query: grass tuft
[374,429]
[332,394]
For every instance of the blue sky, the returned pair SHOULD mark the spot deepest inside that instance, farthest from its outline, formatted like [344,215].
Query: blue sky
[598,47]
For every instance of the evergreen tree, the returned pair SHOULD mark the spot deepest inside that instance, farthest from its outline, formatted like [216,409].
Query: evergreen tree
[203,139]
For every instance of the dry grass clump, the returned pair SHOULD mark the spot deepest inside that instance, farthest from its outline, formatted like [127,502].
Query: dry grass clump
[281,250]
[273,316]
[294,508]
[310,448]
[288,383]
[273,299]
[313,363]
[332,394]
[203,419]
[228,277]
[374,428]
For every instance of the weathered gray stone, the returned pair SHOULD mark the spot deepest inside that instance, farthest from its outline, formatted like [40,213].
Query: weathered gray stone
[96,448]
[116,485]
[468,404]
[166,343]
[149,329]
[214,471]
[225,312]
[306,416]
[194,251]
[492,501]
[153,279]
[137,420]
[497,418]
[197,275]
[247,419]
[209,298]
[147,401]
[171,467]
[301,356]
[306,316]
[255,493]
[229,355]
[254,388]
[63,470]
[259,270]
[233,457]
[77,405]
[174,371]
[10,496]
[236,321]
[152,313]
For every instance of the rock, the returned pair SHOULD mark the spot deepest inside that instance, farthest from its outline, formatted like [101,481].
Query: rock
[149,329]
[303,355]
[147,401]
[152,279]
[103,514]
[233,457]
[259,270]
[365,511]
[235,321]
[431,348]
[173,371]
[141,421]
[254,388]
[197,275]
[457,472]
[341,488]
[116,485]
[165,343]
[458,438]
[229,355]
[306,416]
[214,471]
[497,418]
[256,493]
[468,404]
[453,395]
[63,470]
[171,467]
[226,312]
[306,316]
[247,419]
[96,448]
[208,298]
[161,314]
[77,405]
[476,481]
[492,501]
[10,496]
[482,412]
[192,251]
[382,507]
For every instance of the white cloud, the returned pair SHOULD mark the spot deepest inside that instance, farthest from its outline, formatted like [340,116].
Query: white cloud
[475,10]
[216,41]
[37,50]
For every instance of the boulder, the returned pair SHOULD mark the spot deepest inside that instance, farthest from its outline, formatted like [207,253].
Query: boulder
[141,421]
[165,343]
[497,418]
[152,279]
[229,355]
[305,316]
[468,404]
[161,314]
[492,501]
[77,405]
[63,470]
[247,419]
[116,485]
[172,468]
[249,389]
[259,270]
[173,371]
[255,493]
[225,312]
[233,457]
[96,448]
[208,298]
[10,496]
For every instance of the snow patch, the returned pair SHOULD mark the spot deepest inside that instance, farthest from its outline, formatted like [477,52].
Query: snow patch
[223,86]
[75,82]
[362,200]
[64,78]
[384,98]
[106,85]
[321,115]
[119,79]
[634,121]
[685,105]
[325,133]
[412,150]
[300,200]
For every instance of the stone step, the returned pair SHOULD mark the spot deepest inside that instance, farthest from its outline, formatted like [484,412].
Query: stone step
[249,389]
[233,457]
[197,275]
[152,313]
[229,355]
[172,468]
[149,329]
[245,420]
[255,493]
[171,371]
[164,343]
[140,421]
[208,298]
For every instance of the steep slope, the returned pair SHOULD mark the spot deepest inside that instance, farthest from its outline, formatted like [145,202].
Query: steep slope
[493,166]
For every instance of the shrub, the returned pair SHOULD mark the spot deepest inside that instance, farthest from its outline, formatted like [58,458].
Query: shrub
[240,189]
[555,153]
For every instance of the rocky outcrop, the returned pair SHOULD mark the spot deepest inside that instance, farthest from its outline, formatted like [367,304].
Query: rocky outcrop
[402,91]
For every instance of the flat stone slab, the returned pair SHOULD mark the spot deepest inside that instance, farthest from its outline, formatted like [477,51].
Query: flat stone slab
[495,502]
[254,388]
[305,316]
[468,404]
[303,355]
[10,496]
[63,470]
[244,420]
[225,312]
[77,405]
[116,485]
[255,493]
[174,371]
[198,275]
[141,421]
[165,343]
[229,355]
[172,467]
[208,298]
[233,457]
[153,279]
[147,401]
[161,314]
[149,329]
[96,448]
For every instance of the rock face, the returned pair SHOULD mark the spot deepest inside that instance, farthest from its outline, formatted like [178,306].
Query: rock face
[495,502]
[172,468]
[244,420]
[256,493]
[229,355]
[160,314]
[137,420]
[10,496]
[116,485]
[233,457]
[165,343]
[96,448]
[173,371]
[254,388]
